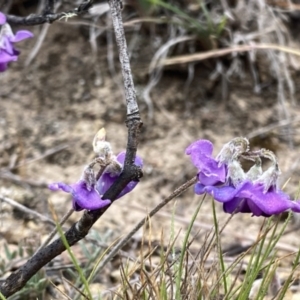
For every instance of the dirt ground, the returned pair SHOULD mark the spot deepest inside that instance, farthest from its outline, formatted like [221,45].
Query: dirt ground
[68,93]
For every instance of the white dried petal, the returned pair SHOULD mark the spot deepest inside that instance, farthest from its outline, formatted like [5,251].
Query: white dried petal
[233,149]
[114,168]
[88,177]
[255,171]
[269,178]
[100,146]
[236,173]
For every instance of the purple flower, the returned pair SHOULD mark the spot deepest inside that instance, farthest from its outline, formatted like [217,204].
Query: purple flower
[89,196]
[82,196]
[223,178]
[210,170]
[250,198]
[7,39]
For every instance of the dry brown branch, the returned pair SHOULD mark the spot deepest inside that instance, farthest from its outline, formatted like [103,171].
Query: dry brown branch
[182,59]
[130,172]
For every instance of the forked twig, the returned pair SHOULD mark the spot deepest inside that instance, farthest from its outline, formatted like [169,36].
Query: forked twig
[130,172]
[48,16]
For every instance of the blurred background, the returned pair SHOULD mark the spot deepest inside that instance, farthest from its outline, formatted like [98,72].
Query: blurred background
[202,70]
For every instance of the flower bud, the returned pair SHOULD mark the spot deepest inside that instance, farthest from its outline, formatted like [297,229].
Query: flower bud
[269,178]
[100,146]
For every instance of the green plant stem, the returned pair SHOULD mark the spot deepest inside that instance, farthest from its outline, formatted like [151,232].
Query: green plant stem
[222,264]
[183,252]
[74,261]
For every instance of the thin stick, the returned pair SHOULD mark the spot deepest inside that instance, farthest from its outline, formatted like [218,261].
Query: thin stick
[30,161]
[131,172]
[34,19]
[18,179]
[271,127]
[115,8]
[38,44]
[26,210]
[221,52]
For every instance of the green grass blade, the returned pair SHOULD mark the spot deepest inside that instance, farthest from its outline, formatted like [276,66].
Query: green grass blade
[74,261]
[219,247]
[183,252]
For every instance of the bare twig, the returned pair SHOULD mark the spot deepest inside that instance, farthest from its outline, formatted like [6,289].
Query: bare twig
[132,107]
[271,127]
[222,52]
[26,209]
[46,17]
[130,172]
[38,44]
[156,68]
[47,153]
[19,180]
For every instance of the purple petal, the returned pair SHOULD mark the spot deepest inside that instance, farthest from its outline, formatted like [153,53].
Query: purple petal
[210,173]
[121,158]
[204,147]
[132,184]
[7,51]
[88,199]
[222,193]
[236,205]
[216,177]
[21,35]
[226,195]
[198,150]
[60,186]
[296,206]
[255,210]
[199,189]
[7,46]
[5,57]
[105,182]
[240,205]
[107,179]
[2,18]
[82,197]
[270,203]
[128,188]
[250,198]
[3,67]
